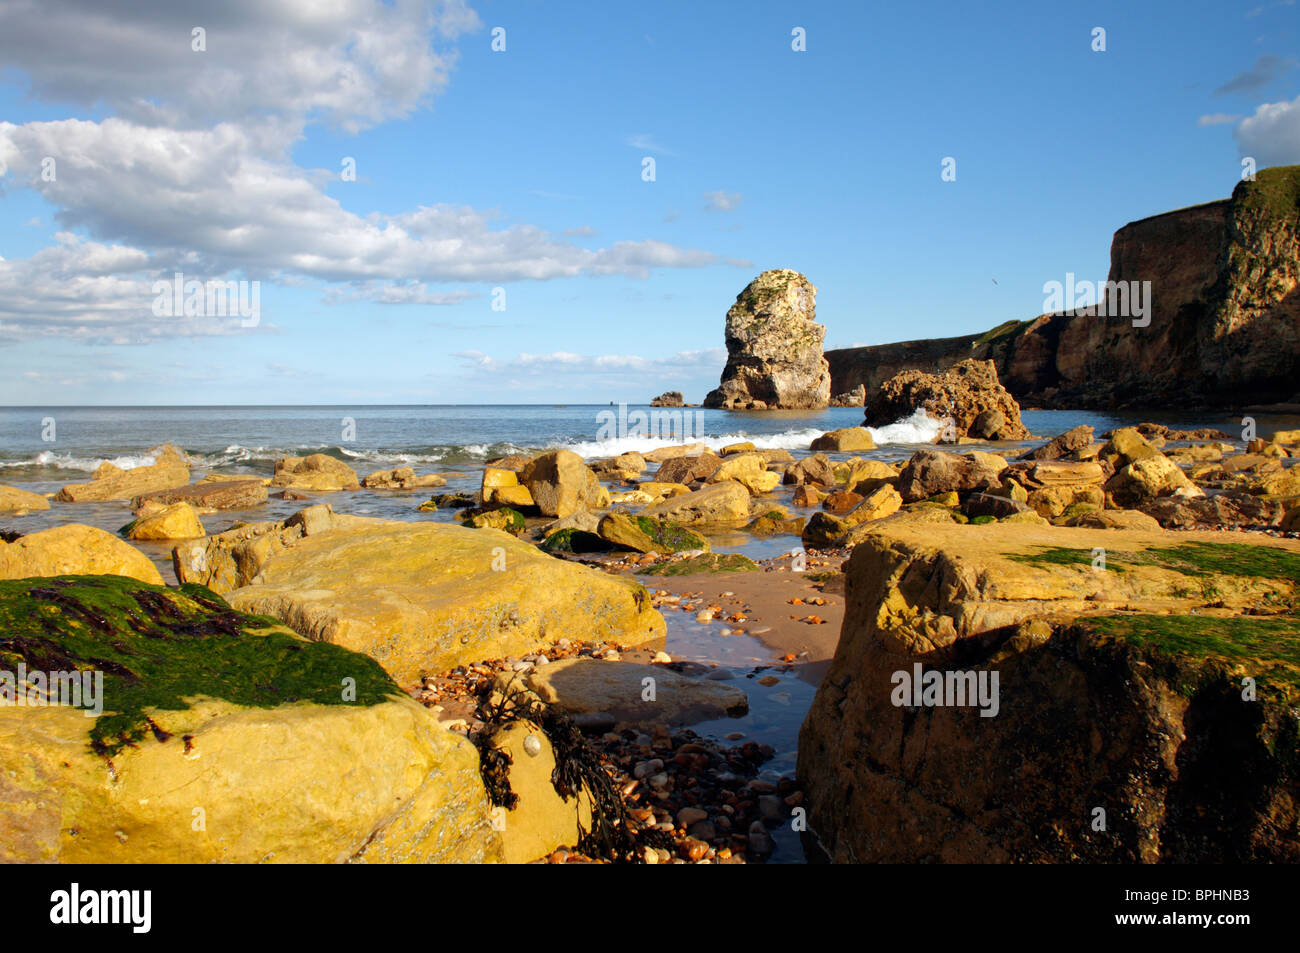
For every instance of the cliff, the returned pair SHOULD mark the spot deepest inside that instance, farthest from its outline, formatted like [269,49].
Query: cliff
[1224,317]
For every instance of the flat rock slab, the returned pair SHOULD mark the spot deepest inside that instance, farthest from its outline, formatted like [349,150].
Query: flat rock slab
[621,690]
[422,598]
[225,495]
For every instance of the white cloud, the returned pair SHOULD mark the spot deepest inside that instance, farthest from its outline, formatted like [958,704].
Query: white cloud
[355,63]
[722,201]
[195,170]
[1272,135]
[1217,119]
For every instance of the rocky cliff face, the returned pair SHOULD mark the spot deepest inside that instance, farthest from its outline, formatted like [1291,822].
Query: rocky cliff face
[1224,325]
[1118,730]
[774,347]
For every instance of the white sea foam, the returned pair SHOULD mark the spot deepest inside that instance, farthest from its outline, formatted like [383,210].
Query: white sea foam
[920,427]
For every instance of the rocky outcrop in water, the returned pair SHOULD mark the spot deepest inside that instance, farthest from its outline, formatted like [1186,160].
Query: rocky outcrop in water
[774,347]
[1224,319]
[967,398]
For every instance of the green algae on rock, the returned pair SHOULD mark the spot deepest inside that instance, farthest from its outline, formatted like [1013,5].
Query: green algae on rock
[707,562]
[157,648]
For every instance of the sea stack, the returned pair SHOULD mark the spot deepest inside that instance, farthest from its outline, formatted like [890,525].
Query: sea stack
[774,347]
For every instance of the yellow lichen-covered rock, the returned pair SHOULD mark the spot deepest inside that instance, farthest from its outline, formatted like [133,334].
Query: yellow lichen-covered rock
[74,548]
[846,440]
[220,739]
[425,597]
[561,484]
[541,820]
[317,472]
[178,521]
[168,471]
[720,503]
[516,496]
[16,502]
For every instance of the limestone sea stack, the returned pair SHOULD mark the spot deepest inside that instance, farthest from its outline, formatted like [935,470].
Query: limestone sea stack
[774,348]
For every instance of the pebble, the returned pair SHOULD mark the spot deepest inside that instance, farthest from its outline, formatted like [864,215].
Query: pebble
[662,658]
[691,815]
[647,768]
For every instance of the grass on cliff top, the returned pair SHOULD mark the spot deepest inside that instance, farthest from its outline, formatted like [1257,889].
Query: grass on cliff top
[1003,330]
[708,562]
[157,647]
[1267,647]
[1275,191]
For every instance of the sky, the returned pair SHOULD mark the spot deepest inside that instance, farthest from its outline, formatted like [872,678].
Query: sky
[450,201]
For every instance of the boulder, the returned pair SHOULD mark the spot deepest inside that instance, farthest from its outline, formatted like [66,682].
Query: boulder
[401,478]
[774,347]
[1113,519]
[852,398]
[911,752]
[208,496]
[168,471]
[816,469]
[845,440]
[1126,446]
[626,466]
[824,529]
[1229,510]
[930,472]
[317,473]
[288,751]
[671,398]
[1062,445]
[426,597]
[687,469]
[74,549]
[583,686]
[960,395]
[718,503]
[560,483]
[1146,479]
[177,521]
[749,470]
[16,502]
[647,535]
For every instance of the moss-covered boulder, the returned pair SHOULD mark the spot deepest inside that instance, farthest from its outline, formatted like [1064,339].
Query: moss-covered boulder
[648,535]
[705,562]
[222,737]
[1150,674]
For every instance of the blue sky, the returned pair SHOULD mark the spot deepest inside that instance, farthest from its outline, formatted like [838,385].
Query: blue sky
[522,170]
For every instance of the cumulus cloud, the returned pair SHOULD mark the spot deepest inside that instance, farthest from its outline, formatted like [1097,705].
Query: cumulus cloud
[1272,134]
[194,170]
[355,63]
